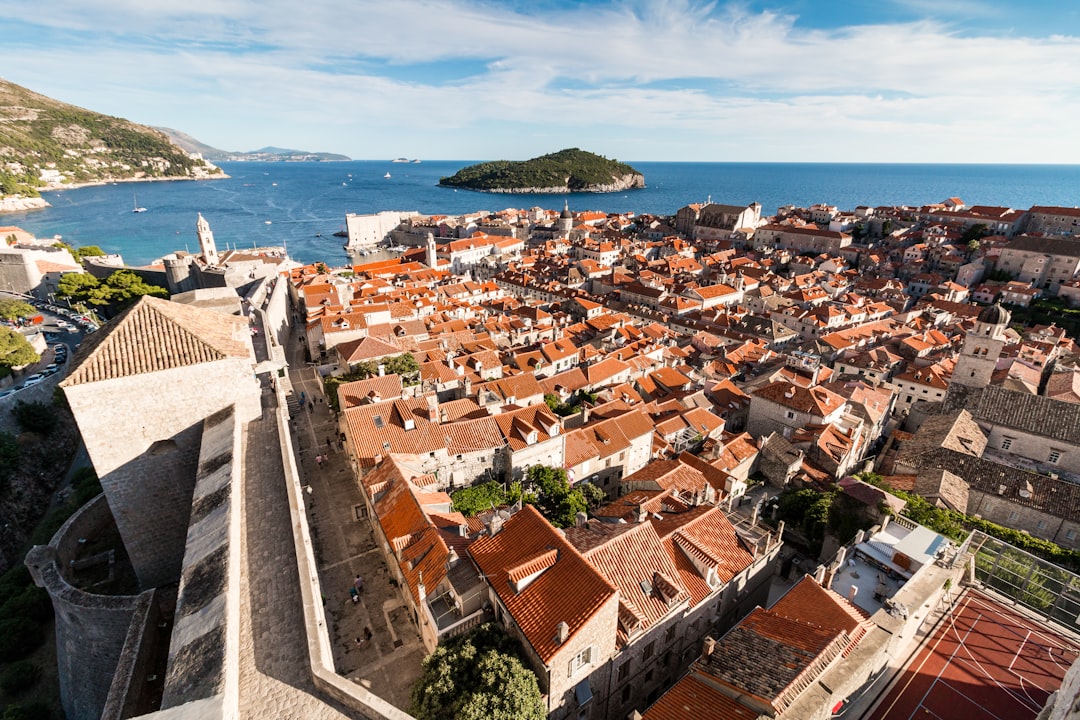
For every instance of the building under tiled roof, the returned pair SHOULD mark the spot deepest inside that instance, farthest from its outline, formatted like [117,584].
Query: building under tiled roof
[570,590]
[766,653]
[154,335]
[694,698]
[1035,414]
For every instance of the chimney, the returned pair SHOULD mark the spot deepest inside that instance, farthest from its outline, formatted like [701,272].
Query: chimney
[562,633]
[852,593]
[432,408]
[581,519]
[641,514]
[707,647]
[382,369]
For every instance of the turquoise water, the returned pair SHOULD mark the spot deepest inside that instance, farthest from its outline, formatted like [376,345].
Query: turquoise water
[300,205]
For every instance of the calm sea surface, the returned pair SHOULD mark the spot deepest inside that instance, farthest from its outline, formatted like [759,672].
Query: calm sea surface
[300,205]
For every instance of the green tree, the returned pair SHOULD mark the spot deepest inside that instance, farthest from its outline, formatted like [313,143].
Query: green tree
[974,233]
[34,417]
[478,498]
[15,350]
[594,496]
[15,309]
[125,287]
[404,365]
[555,499]
[118,290]
[477,676]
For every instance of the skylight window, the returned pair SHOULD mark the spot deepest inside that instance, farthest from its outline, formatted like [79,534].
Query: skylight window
[379,422]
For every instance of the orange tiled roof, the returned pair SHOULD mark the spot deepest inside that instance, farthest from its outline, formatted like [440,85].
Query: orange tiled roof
[570,591]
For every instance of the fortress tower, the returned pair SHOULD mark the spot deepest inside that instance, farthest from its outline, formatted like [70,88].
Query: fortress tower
[206,242]
[982,348]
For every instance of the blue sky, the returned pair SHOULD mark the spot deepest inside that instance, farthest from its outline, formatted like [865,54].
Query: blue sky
[798,80]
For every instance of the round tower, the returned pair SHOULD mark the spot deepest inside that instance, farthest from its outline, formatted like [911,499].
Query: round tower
[982,348]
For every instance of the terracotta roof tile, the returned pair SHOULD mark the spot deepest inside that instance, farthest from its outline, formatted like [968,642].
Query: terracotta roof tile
[154,335]
[570,591]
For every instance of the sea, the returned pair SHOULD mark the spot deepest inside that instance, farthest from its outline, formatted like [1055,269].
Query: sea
[301,205]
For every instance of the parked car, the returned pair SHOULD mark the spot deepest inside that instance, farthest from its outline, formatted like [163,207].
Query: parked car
[9,391]
[33,380]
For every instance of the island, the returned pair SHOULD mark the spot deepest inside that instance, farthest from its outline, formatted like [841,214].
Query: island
[570,170]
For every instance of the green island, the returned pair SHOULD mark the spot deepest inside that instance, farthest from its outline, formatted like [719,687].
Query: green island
[570,170]
[45,143]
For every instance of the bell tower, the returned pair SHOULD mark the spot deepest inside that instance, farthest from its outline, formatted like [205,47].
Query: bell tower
[982,348]
[206,242]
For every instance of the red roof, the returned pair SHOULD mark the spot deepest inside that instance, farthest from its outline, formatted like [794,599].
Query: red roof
[569,591]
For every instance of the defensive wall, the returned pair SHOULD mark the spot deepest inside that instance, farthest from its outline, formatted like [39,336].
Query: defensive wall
[91,629]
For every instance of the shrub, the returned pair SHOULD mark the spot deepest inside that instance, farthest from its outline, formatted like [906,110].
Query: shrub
[19,637]
[33,604]
[19,676]
[30,711]
[35,417]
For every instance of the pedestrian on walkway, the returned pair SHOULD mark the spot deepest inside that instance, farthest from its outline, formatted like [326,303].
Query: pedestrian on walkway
[329,443]
[303,397]
[318,460]
[358,583]
[311,408]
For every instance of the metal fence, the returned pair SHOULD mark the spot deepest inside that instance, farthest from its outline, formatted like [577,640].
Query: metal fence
[1042,587]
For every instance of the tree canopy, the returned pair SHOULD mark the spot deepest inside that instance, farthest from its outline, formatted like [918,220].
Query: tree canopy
[556,500]
[116,291]
[572,168]
[15,309]
[477,676]
[15,350]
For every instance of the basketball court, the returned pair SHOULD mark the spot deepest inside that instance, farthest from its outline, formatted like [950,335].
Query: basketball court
[984,661]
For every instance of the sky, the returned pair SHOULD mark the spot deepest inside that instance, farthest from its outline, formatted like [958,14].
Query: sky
[949,81]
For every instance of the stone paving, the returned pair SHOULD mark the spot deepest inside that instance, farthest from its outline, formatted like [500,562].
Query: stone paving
[275,680]
[345,547]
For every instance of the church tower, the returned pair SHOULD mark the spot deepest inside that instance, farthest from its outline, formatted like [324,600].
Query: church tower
[982,348]
[432,256]
[566,219]
[206,242]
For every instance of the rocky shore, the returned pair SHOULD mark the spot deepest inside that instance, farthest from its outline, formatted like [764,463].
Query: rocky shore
[626,182]
[18,203]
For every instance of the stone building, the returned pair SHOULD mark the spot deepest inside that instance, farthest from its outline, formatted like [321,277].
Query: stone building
[161,396]
[139,393]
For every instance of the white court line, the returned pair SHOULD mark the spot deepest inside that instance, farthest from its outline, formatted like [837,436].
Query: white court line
[943,668]
[1030,702]
[1049,641]
[915,671]
[1019,650]
[970,700]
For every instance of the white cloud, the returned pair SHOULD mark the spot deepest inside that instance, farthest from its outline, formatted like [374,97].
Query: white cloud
[242,73]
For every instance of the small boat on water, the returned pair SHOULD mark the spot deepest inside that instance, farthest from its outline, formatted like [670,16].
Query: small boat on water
[268,222]
[386,175]
[135,205]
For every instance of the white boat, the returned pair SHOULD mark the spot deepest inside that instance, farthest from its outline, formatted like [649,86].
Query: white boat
[268,222]
[135,204]
[386,175]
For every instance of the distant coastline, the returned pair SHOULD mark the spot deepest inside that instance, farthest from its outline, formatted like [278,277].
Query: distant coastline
[15,204]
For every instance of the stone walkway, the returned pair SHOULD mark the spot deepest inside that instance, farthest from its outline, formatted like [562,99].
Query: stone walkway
[345,547]
[275,680]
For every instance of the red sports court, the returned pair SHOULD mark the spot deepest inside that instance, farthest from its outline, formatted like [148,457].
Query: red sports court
[983,662]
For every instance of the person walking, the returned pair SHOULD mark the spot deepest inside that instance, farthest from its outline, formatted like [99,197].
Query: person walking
[358,583]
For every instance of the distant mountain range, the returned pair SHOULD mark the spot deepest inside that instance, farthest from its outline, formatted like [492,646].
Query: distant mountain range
[47,143]
[266,154]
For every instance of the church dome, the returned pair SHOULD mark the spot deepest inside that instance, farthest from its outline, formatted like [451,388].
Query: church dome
[995,315]
[566,214]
